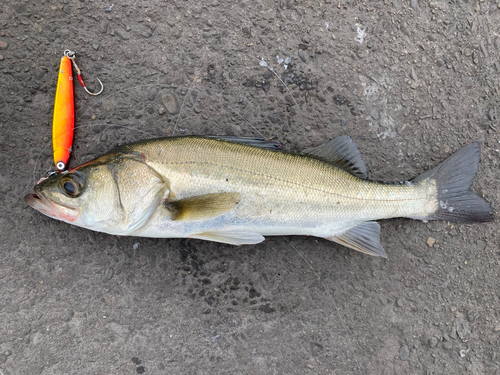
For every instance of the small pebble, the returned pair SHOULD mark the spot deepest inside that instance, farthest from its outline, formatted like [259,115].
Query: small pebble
[161,111]
[302,55]
[492,116]
[413,74]
[432,37]
[170,102]
[103,27]
[484,51]
[121,35]
[404,353]
[433,342]
[447,345]
[109,274]
[3,45]
[475,57]
[431,241]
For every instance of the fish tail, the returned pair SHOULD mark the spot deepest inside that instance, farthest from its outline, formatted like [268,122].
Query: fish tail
[453,178]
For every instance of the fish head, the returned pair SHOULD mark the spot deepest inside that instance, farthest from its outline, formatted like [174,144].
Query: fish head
[82,196]
[112,195]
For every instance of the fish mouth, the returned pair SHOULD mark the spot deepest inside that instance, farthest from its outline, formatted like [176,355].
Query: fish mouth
[57,211]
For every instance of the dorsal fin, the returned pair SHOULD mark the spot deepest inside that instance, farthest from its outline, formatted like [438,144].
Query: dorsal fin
[250,141]
[342,152]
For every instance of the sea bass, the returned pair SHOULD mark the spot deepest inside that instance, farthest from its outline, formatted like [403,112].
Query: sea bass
[237,192]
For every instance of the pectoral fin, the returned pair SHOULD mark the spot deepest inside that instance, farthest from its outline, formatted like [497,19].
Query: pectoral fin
[236,237]
[202,207]
[364,237]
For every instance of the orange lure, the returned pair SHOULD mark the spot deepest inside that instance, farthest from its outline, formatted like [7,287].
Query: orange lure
[63,123]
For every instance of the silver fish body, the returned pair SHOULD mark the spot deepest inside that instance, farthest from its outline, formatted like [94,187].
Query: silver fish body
[230,192]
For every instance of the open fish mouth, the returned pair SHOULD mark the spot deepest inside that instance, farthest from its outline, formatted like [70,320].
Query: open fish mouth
[57,211]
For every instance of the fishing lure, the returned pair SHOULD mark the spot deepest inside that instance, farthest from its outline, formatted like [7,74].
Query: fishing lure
[63,123]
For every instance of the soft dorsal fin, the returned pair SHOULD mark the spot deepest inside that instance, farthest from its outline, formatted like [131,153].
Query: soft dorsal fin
[364,237]
[342,152]
[202,207]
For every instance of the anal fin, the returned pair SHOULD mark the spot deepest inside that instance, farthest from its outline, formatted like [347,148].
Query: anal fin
[364,237]
[231,237]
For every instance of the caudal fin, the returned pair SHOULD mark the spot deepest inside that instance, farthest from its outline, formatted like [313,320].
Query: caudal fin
[453,179]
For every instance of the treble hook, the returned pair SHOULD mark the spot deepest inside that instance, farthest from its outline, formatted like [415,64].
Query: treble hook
[71,55]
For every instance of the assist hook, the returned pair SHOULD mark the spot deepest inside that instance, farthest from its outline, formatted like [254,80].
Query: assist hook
[71,55]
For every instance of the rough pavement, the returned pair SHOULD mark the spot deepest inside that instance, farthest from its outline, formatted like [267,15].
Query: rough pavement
[409,81]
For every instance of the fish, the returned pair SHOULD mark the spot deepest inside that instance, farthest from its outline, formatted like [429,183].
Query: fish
[236,192]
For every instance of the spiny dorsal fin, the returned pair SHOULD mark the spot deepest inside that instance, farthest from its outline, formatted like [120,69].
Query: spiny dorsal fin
[231,237]
[342,152]
[202,207]
[364,237]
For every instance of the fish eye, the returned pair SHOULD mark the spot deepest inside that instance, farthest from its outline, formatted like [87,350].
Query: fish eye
[72,184]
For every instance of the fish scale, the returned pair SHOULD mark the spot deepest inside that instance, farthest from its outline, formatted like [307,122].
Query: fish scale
[287,178]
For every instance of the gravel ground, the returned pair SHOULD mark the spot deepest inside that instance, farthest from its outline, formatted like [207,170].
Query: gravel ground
[409,81]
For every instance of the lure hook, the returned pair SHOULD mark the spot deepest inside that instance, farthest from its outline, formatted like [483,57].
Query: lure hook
[91,93]
[71,55]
